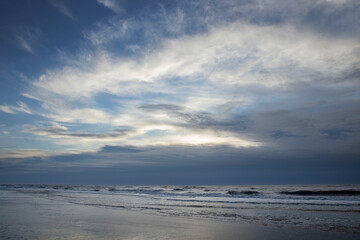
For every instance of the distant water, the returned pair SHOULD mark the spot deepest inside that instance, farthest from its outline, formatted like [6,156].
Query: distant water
[326,207]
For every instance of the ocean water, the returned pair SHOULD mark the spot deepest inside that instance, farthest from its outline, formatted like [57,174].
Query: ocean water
[334,208]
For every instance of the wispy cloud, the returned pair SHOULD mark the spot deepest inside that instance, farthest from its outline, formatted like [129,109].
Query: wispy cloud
[27,38]
[113,5]
[23,44]
[174,21]
[114,29]
[209,81]
[6,109]
[21,107]
[81,115]
[12,153]
[62,8]
[278,52]
[56,130]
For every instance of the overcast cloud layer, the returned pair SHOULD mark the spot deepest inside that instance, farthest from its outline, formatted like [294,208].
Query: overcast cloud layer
[149,88]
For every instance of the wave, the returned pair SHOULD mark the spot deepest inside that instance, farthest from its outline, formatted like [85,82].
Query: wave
[271,202]
[99,205]
[231,193]
[137,191]
[323,193]
[249,192]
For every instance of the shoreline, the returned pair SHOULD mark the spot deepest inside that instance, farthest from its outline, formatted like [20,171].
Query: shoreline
[25,216]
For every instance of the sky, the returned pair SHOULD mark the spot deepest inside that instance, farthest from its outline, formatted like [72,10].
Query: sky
[180,92]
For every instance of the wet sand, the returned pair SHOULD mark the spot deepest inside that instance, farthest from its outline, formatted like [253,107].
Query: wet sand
[23,216]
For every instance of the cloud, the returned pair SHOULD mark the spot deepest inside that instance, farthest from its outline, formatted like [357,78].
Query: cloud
[23,44]
[119,149]
[81,115]
[174,21]
[113,5]
[62,8]
[234,54]
[56,130]
[185,165]
[209,79]
[336,134]
[114,29]
[144,135]
[161,107]
[27,38]
[21,107]
[22,154]
[283,134]
[6,109]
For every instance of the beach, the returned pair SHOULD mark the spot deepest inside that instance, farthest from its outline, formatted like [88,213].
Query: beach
[28,216]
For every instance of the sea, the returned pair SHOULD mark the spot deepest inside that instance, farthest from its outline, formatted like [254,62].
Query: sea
[334,208]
